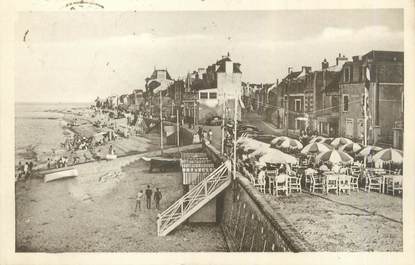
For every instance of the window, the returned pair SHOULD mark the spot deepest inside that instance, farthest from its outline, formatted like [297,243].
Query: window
[203,95]
[345,103]
[213,95]
[349,127]
[298,105]
[347,74]
[362,73]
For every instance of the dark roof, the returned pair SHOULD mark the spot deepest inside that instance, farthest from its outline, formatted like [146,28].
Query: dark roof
[154,74]
[384,56]
[223,60]
[236,68]
[221,68]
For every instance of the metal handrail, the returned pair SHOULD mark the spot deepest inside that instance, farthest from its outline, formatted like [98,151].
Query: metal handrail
[191,199]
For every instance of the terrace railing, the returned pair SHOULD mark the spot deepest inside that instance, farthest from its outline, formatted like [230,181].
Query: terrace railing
[195,199]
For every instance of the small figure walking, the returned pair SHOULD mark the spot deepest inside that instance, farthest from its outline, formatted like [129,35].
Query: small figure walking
[149,192]
[157,198]
[26,170]
[138,200]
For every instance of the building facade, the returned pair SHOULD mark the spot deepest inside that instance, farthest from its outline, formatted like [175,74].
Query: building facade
[385,97]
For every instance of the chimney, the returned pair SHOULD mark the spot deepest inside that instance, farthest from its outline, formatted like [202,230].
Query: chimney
[306,69]
[324,64]
[290,69]
[355,58]
[341,58]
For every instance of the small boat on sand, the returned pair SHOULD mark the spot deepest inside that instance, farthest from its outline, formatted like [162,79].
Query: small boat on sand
[110,157]
[65,173]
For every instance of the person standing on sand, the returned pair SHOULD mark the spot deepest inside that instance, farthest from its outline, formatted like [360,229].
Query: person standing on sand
[138,200]
[19,170]
[149,192]
[25,170]
[157,198]
[30,166]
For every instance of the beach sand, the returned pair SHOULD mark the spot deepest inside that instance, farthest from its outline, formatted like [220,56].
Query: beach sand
[92,213]
[357,222]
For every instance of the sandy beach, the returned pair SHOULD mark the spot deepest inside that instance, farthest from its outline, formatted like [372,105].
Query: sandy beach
[90,213]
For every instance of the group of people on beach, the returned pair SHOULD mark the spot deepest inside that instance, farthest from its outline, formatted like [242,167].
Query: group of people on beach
[24,171]
[148,193]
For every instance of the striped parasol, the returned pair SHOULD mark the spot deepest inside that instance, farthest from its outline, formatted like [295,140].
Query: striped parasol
[260,151]
[389,155]
[340,141]
[370,149]
[279,139]
[318,139]
[315,148]
[351,148]
[250,144]
[289,143]
[334,156]
[276,156]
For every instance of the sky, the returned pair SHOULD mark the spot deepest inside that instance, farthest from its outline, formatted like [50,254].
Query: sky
[77,56]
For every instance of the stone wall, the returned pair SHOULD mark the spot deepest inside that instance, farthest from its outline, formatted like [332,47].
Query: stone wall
[249,223]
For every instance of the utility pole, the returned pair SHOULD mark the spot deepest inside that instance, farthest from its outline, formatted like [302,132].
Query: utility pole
[235,120]
[161,122]
[178,129]
[223,125]
[194,113]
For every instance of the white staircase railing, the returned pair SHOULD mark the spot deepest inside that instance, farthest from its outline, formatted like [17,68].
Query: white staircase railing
[195,199]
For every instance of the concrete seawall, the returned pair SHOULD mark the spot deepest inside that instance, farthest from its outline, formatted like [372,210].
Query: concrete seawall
[249,223]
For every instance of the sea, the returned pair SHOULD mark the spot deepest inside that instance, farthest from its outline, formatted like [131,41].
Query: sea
[39,128]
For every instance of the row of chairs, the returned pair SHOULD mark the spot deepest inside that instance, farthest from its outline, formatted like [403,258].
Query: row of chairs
[277,183]
[332,182]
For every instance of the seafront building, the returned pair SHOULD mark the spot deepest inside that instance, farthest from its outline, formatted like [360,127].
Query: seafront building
[325,101]
[328,101]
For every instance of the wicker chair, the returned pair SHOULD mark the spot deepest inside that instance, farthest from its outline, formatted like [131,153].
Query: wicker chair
[271,174]
[332,183]
[373,183]
[294,183]
[345,183]
[281,184]
[317,183]
[394,185]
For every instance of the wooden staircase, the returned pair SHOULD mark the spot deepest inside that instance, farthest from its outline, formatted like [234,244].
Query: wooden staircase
[195,199]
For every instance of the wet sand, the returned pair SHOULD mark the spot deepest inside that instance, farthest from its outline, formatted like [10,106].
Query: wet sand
[95,212]
[357,222]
